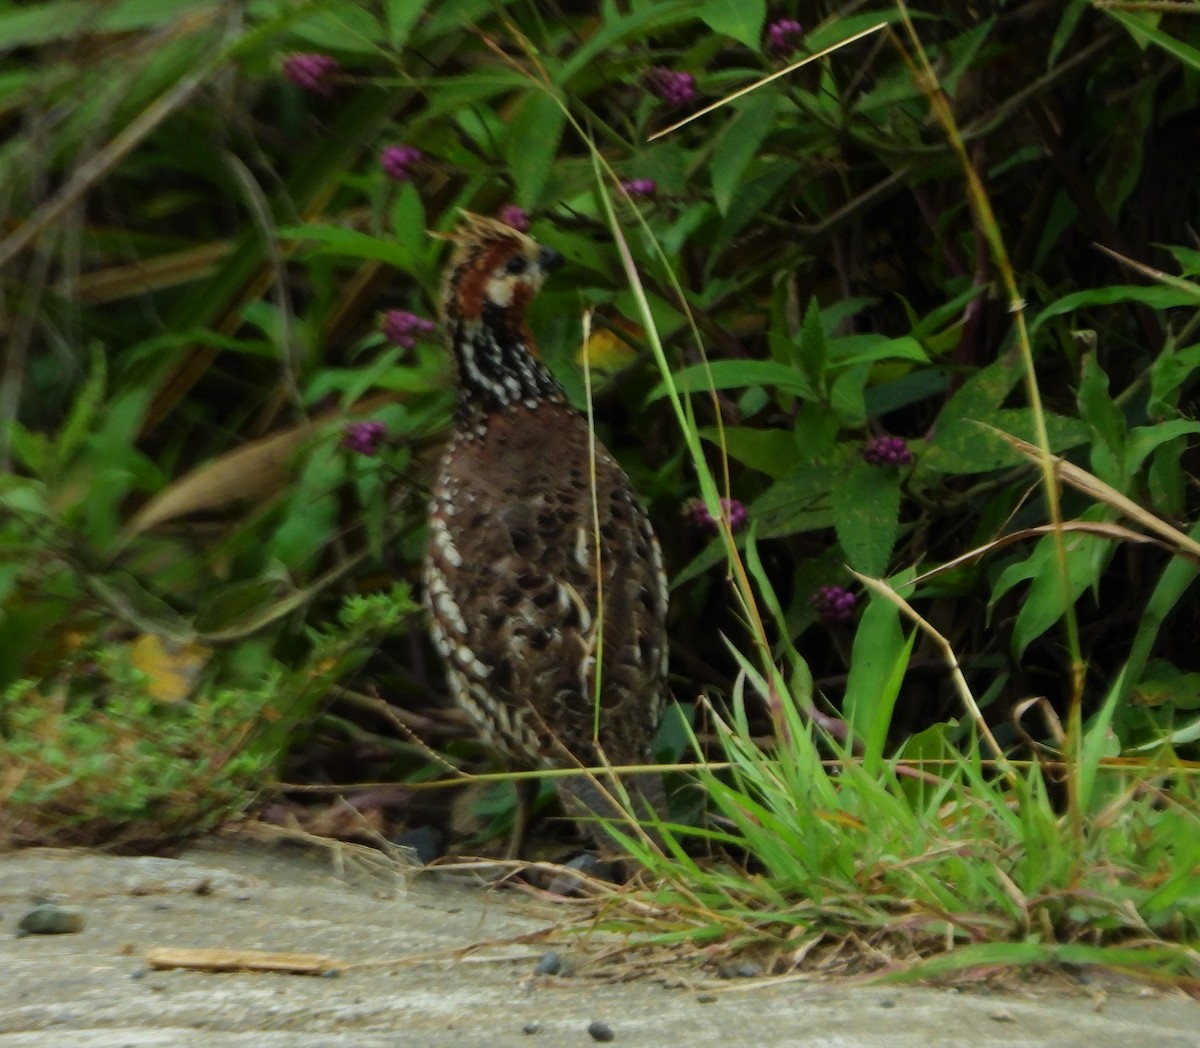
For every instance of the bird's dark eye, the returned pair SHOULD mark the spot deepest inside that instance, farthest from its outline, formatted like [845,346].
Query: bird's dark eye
[516,265]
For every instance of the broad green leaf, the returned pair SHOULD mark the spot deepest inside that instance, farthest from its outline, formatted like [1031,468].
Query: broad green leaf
[1144,440]
[88,402]
[1045,602]
[845,26]
[43,22]
[870,348]
[740,19]
[748,127]
[335,240]
[533,140]
[1106,423]
[878,662]
[770,451]
[764,181]
[972,448]
[1143,30]
[735,374]
[811,352]
[866,514]
[616,30]
[400,16]
[979,396]
[1156,296]
[408,221]
[339,25]
[847,396]
[1171,369]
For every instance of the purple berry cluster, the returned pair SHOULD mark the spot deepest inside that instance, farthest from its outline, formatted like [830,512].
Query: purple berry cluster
[674,88]
[404,328]
[313,72]
[514,216]
[886,451]
[835,604]
[698,513]
[364,437]
[640,186]
[397,161]
[783,37]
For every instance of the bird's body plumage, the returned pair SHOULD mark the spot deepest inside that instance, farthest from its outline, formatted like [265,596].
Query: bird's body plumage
[543,579]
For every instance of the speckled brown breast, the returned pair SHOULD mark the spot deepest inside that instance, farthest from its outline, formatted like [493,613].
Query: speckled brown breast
[515,589]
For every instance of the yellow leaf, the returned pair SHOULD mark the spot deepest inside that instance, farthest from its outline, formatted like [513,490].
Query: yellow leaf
[172,667]
[605,350]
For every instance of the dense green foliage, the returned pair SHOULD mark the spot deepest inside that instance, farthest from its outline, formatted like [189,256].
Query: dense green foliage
[830,281]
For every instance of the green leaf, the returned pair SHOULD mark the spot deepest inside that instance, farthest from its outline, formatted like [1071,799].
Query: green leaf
[1145,439]
[878,662]
[847,396]
[1045,602]
[811,352]
[740,19]
[1156,296]
[335,240]
[866,514]
[338,25]
[616,30]
[1106,423]
[1172,368]
[770,451]
[1142,30]
[871,348]
[408,221]
[796,503]
[750,124]
[959,450]
[401,16]
[735,374]
[87,402]
[533,140]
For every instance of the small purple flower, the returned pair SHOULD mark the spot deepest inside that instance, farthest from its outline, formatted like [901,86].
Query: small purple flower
[514,216]
[674,88]
[640,186]
[313,72]
[404,328]
[834,604]
[735,511]
[783,36]
[886,451]
[396,161]
[364,437]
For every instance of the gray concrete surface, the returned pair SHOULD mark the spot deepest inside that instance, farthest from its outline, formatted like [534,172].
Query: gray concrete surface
[92,989]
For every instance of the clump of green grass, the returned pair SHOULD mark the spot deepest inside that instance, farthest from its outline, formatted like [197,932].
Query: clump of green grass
[125,770]
[96,754]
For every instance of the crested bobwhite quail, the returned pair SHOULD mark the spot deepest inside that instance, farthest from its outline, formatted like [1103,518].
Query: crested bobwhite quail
[528,610]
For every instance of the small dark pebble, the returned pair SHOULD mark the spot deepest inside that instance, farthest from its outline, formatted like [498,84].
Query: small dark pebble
[139,973]
[550,964]
[332,973]
[532,1027]
[49,919]
[706,998]
[601,1031]
[887,1002]
[587,863]
[741,970]
[428,842]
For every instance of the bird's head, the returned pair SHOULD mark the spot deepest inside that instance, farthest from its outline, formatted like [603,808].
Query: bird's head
[492,265]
